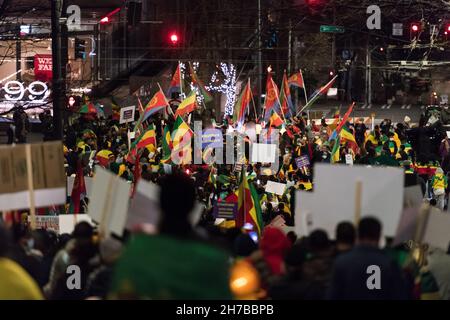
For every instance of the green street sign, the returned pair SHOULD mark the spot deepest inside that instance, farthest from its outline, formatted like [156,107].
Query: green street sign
[332,29]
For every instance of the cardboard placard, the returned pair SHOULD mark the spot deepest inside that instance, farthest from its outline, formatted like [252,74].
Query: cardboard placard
[109,202]
[264,153]
[55,176]
[20,170]
[275,187]
[225,210]
[6,174]
[37,158]
[127,114]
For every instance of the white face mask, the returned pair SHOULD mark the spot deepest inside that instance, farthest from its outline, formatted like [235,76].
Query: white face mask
[30,244]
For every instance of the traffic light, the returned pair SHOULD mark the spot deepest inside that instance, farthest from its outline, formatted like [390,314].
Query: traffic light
[447,30]
[271,40]
[80,49]
[174,38]
[415,29]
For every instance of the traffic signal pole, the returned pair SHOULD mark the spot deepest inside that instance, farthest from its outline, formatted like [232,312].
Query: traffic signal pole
[57,81]
[259,84]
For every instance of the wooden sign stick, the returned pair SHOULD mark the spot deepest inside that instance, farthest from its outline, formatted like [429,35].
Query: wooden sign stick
[31,186]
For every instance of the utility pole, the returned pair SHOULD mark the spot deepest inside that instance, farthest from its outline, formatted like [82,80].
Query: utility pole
[57,81]
[18,55]
[259,86]
[368,73]
[289,48]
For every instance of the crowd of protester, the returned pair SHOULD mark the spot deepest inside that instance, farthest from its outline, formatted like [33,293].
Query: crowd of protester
[218,260]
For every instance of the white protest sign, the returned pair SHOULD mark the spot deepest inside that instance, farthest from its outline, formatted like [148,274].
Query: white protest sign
[275,187]
[335,196]
[127,114]
[349,159]
[264,153]
[332,92]
[109,201]
[144,208]
[407,226]
[436,232]
[304,206]
[448,134]
[67,222]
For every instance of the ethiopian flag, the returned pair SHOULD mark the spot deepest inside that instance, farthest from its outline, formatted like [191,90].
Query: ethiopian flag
[187,105]
[166,144]
[196,81]
[347,136]
[148,139]
[249,208]
[242,104]
[275,120]
[181,141]
[335,153]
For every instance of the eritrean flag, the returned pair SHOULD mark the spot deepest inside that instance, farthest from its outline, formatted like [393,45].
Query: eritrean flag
[181,141]
[175,84]
[296,80]
[271,102]
[242,104]
[187,105]
[88,108]
[285,98]
[249,208]
[157,103]
[320,93]
[196,81]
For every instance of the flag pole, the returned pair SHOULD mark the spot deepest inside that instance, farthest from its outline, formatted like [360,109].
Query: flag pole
[181,78]
[253,101]
[304,86]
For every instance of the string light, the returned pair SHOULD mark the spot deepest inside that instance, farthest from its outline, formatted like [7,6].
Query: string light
[227,87]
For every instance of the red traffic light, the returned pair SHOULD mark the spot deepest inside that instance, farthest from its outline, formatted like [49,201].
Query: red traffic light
[174,38]
[415,27]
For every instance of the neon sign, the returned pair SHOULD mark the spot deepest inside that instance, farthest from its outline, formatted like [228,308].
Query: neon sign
[36,92]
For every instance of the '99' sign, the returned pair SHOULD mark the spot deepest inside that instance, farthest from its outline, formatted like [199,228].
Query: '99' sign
[36,92]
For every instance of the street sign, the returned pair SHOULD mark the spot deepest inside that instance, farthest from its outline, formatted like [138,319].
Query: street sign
[397,29]
[332,29]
